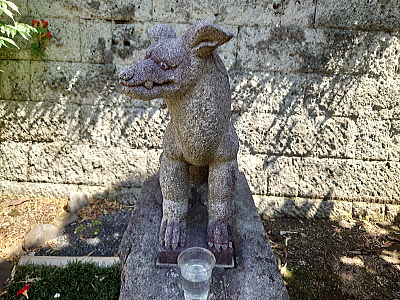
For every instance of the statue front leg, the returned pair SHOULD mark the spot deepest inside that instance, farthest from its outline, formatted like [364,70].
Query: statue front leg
[222,184]
[174,182]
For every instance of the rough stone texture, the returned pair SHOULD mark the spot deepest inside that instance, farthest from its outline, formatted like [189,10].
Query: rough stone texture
[64,220]
[373,212]
[370,15]
[77,201]
[256,275]
[5,271]
[315,91]
[13,161]
[39,235]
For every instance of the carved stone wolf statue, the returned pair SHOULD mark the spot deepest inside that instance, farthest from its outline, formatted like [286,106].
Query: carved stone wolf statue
[190,76]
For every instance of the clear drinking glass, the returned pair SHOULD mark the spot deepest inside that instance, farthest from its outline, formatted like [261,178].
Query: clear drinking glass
[196,267]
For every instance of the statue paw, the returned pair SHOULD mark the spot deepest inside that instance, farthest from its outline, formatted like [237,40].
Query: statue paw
[172,233]
[219,234]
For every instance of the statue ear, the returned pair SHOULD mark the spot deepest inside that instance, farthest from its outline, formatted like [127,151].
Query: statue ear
[159,32]
[203,38]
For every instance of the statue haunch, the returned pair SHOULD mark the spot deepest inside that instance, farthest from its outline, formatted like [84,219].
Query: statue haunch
[192,79]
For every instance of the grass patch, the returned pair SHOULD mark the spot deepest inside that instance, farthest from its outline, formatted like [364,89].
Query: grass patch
[75,281]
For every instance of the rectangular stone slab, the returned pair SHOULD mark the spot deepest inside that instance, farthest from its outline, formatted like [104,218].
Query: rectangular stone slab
[255,276]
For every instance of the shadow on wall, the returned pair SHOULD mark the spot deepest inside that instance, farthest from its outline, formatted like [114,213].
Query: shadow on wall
[325,130]
[315,106]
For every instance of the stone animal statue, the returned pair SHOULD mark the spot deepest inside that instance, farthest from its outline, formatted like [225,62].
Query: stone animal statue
[190,76]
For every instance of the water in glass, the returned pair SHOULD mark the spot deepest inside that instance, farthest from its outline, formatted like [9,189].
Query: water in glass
[196,280]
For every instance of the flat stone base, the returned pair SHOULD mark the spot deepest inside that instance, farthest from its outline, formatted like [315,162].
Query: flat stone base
[254,277]
[196,236]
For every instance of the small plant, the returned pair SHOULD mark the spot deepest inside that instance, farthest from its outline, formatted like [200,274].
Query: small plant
[93,227]
[43,31]
[80,228]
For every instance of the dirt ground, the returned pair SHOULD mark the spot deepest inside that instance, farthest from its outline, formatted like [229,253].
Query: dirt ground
[349,259]
[19,215]
[319,259]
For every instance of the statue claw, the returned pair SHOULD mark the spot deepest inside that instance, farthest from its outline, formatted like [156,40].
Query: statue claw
[172,233]
[219,234]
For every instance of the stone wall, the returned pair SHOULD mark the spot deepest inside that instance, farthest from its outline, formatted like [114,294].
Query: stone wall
[316,94]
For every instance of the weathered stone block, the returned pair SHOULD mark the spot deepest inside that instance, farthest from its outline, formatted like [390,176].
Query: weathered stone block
[266,13]
[65,44]
[272,92]
[394,132]
[337,179]
[350,96]
[372,211]
[283,176]
[335,137]
[278,207]
[298,13]
[253,167]
[94,165]
[129,42]
[28,121]
[15,79]
[75,83]
[368,15]
[137,127]
[96,41]
[329,51]
[123,10]
[49,190]
[13,161]
[372,141]
[392,213]
[276,134]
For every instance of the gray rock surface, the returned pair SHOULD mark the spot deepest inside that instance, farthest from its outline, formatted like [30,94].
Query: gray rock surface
[5,271]
[39,235]
[256,275]
[77,201]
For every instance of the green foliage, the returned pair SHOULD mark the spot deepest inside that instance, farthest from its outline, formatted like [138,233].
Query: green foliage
[9,31]
[93,227]
[76,281]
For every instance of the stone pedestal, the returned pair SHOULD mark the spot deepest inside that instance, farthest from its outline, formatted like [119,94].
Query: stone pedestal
[196,236]
[254,277]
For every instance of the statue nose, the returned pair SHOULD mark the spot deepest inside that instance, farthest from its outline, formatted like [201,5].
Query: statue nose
[126,74]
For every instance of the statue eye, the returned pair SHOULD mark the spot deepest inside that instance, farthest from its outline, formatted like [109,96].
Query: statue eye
[164,66]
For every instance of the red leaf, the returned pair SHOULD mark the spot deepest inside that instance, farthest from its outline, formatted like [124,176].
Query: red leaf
[387,245]
[24,291]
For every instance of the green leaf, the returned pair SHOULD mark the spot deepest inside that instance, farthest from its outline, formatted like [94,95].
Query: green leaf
[11,5]
[8,13]
[5,40]
[41,30]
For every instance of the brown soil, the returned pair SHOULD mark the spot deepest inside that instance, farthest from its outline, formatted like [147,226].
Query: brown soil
[349,259]
[319,259]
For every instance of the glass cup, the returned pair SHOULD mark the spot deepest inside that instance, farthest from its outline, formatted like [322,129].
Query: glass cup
[196,267]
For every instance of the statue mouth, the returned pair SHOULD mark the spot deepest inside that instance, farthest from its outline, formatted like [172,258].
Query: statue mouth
[149,84]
